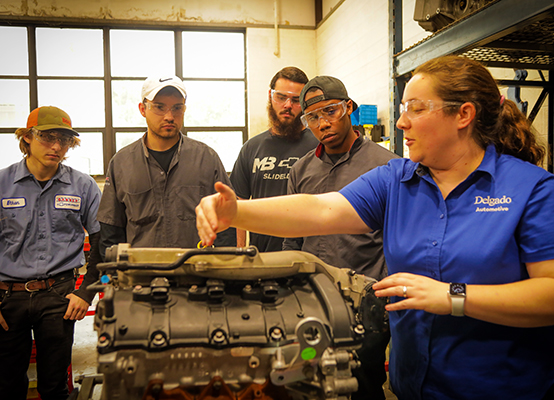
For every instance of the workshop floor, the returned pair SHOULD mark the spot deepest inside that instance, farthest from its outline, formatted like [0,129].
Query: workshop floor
[84,352]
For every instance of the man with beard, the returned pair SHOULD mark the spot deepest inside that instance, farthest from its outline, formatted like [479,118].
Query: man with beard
[153,185]
[263,165]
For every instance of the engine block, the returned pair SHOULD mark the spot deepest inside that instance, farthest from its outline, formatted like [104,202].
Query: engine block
[228,323]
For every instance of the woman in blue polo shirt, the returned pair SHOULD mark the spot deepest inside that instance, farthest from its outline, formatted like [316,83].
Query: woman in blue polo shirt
[468,228]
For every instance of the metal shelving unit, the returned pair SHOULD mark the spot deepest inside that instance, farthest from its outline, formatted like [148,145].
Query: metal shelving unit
[504,33]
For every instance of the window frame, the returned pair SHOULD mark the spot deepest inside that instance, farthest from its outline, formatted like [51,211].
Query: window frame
[109,131]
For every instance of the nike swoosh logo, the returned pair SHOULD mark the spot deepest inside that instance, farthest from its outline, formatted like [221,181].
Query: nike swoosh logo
[163,80]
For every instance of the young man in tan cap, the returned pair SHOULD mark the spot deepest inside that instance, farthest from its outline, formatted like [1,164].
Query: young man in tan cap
[342,155]
[154,184]
[46,207]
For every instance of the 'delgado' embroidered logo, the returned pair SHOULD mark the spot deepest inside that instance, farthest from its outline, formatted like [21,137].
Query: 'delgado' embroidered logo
[493,204]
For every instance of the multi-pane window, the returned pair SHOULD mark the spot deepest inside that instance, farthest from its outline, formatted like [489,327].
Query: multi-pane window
[96,74]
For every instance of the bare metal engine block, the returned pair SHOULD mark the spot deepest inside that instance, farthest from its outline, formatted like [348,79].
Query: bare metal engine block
[228,323]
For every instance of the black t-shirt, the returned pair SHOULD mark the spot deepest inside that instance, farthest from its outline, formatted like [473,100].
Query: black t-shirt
[164,157]
[262,170]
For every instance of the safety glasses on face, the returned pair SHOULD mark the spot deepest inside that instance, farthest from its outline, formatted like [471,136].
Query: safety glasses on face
[330,113]
[416,108]
[162,109]
[281,97]
[50,137]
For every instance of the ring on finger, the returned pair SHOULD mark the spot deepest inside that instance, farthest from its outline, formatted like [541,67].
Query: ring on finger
[405,291]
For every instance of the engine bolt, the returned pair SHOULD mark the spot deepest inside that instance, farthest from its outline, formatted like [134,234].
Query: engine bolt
[103,341]
[158,340]
[219,337]
[254,362]
[276,334]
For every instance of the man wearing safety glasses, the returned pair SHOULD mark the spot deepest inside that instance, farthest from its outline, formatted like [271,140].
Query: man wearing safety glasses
[342,155]
[264,162]
[153,185]
[46,207]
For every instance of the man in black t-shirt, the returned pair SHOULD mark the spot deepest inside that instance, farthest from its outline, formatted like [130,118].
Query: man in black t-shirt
[263,165]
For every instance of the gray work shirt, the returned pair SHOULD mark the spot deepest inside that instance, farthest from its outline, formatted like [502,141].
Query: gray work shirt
[157,209]
[41,229]
[316,173]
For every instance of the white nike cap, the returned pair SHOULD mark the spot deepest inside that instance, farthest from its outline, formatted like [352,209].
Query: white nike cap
[153,85]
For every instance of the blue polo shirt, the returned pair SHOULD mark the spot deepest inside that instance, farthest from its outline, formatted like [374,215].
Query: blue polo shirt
[41,230]
[485,231]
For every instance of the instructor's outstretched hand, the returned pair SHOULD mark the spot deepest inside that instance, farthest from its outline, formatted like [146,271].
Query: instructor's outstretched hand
[215,213]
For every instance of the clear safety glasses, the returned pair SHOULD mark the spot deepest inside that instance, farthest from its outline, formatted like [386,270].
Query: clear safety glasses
[281,97]
[162,109]
[51,137]
[416,108]
[330,113]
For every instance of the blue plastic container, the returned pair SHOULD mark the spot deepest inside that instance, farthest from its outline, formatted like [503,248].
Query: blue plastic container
[365,114]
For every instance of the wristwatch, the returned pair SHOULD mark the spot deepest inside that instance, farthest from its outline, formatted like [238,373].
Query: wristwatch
[457,295]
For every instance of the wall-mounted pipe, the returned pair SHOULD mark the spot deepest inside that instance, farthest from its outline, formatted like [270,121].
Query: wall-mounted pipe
[276,24]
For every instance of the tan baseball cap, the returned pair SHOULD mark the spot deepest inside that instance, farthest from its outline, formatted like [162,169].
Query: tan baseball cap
[49,117]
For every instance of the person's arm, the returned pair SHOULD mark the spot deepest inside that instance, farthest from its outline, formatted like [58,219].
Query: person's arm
[80,300]
[283,216]
[110,235]
[524,304]
[92,273]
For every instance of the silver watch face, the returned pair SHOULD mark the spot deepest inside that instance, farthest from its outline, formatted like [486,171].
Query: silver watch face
[458,289]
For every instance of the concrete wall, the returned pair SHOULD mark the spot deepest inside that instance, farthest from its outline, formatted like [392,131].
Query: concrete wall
[212,12]
[353,45]
[297,48]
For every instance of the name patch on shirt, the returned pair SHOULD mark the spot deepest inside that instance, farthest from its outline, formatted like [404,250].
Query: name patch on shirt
[14,202]
[66,202]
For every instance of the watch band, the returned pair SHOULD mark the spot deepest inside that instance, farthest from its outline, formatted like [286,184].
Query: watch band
[458,305]
[457,295]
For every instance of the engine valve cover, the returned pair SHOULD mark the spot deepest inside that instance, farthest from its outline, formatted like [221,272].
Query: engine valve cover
[229,323]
